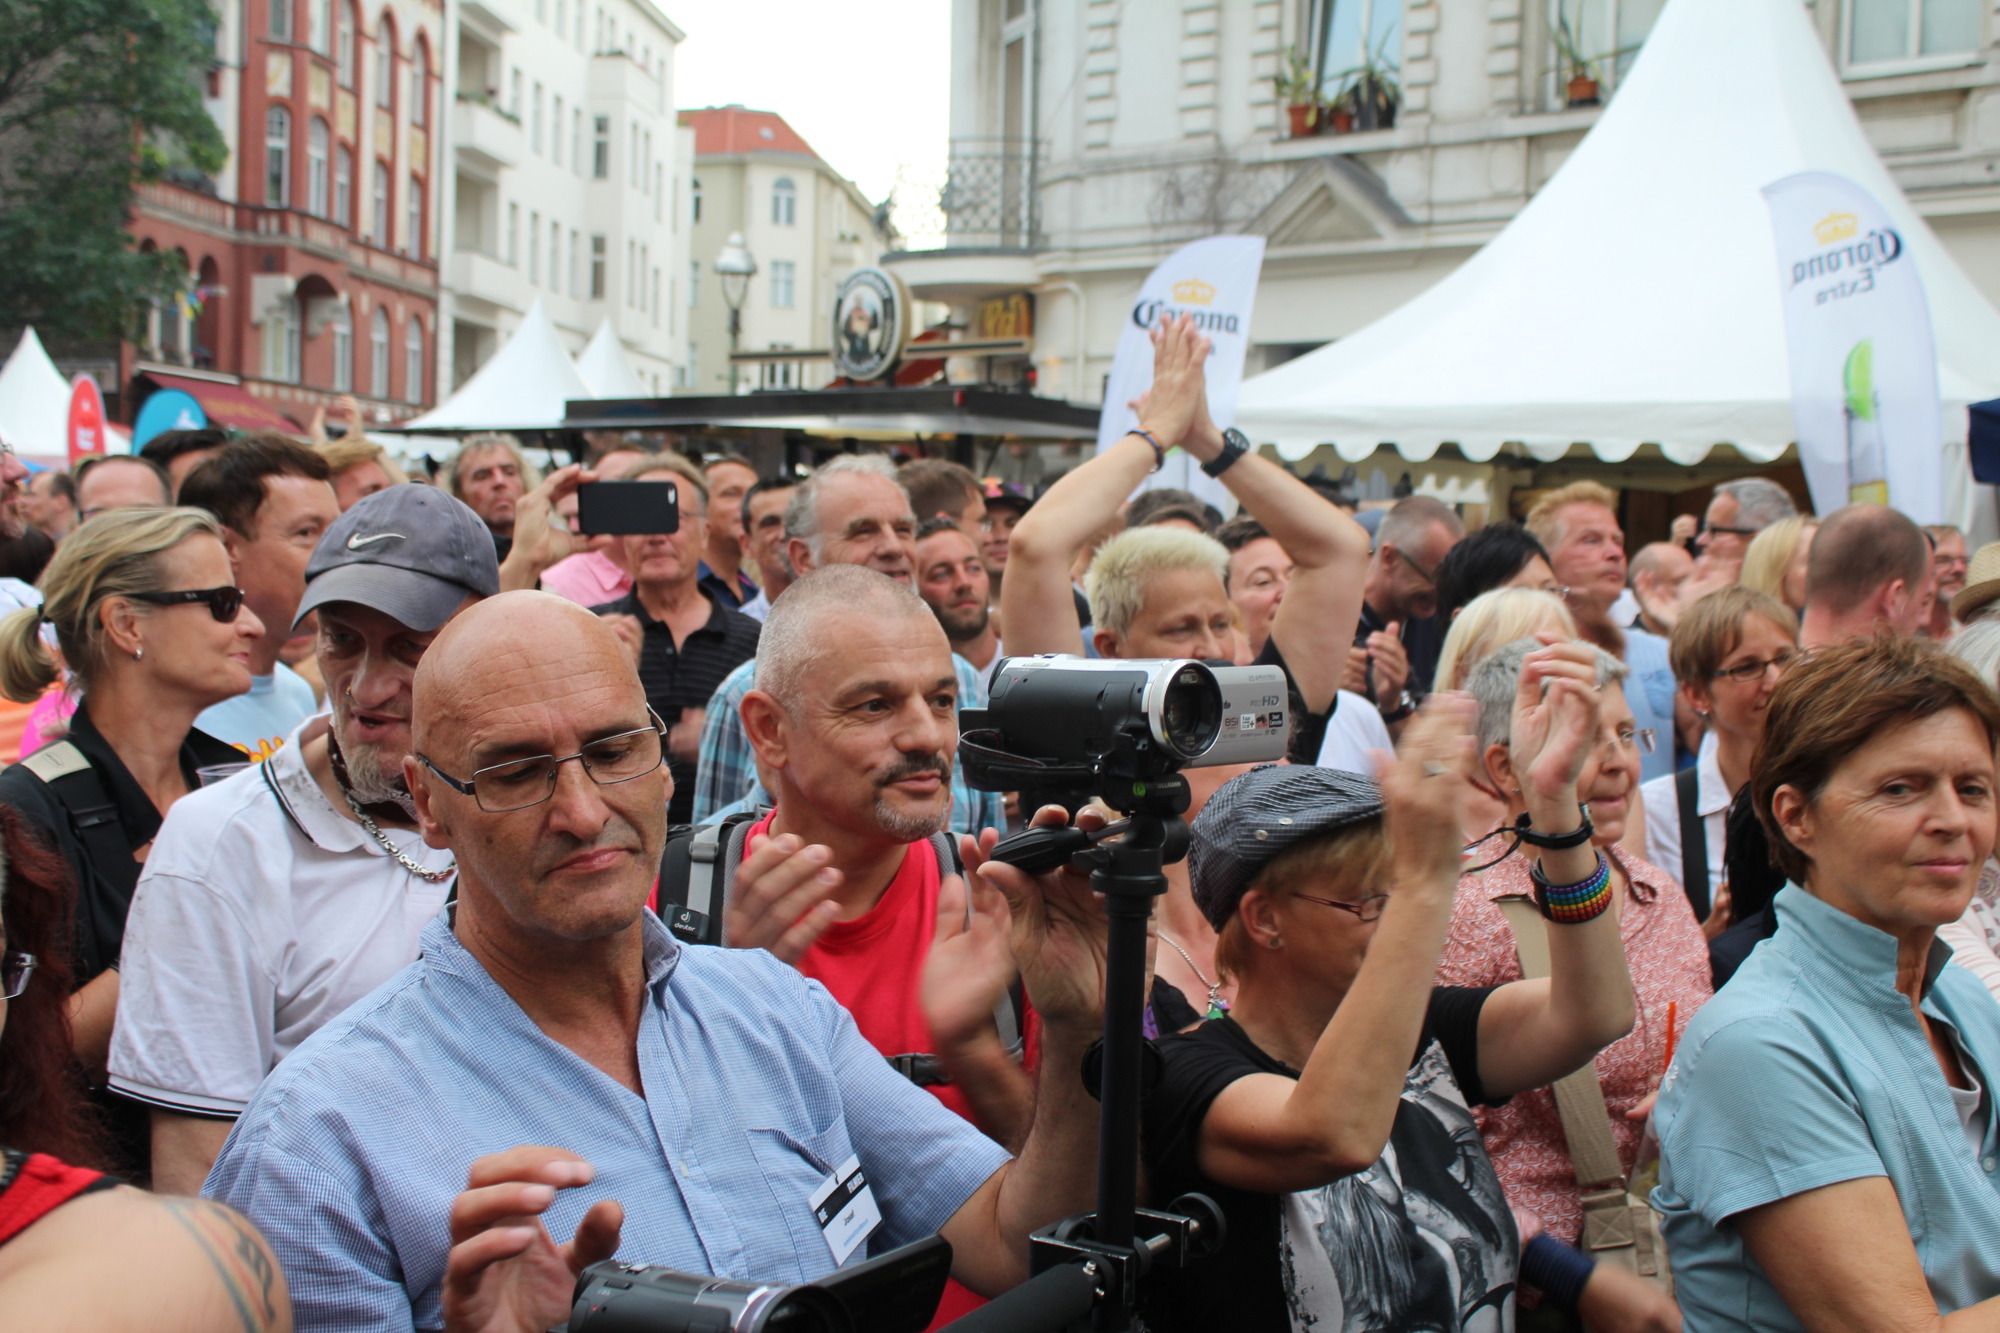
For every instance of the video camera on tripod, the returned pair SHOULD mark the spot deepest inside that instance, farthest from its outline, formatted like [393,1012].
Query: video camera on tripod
[1060,730]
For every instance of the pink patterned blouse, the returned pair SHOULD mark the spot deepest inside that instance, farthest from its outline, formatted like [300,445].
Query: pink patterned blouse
[1669,961]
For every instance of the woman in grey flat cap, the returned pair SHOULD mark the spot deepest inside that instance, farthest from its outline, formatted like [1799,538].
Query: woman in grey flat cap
[1329,1112]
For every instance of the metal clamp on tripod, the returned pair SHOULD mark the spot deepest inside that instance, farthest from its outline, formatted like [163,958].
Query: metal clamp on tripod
[1071,729]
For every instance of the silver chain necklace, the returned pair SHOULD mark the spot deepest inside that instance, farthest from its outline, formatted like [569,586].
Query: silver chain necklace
[1217,1006]
[375,830]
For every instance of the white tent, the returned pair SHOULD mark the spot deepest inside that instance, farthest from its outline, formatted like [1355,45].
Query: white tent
[34,401]
[606,369]
[1635,299]
[523,386]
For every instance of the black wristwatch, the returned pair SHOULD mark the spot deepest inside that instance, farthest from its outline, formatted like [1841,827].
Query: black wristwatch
[1404,706]
[1235,444]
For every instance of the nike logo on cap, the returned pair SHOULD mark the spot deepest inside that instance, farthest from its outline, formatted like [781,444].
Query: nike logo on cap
[357,541]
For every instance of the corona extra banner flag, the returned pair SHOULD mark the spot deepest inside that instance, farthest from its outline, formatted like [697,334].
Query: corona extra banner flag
[1215,280]
[87,435]
[1864,367]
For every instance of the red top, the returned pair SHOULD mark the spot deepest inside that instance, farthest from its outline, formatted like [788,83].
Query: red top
[33,1187]
[874,964]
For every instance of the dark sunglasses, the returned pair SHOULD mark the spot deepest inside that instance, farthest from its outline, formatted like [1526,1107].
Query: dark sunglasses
[223,603]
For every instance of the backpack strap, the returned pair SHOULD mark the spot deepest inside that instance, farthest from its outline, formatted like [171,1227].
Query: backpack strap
[1010,1012]
[1694,840]
[93,816]
[696,868]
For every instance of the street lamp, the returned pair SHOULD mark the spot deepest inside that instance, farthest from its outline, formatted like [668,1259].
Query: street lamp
[735,267]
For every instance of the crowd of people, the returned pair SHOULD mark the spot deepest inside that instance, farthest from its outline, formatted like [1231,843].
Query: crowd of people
[411,898]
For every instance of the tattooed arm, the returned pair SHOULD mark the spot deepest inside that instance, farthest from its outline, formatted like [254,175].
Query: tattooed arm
[126,1260]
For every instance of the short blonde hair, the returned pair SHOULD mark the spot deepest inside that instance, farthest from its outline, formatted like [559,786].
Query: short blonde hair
[114,555]
[674,463]
[1116,583]
[1494,619]
[351,451]
[1770,554]
[1542,519]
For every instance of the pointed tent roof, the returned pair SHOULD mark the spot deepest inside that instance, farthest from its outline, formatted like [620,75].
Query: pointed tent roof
[523,386]
[34,401]
[1635,299]
[606,369]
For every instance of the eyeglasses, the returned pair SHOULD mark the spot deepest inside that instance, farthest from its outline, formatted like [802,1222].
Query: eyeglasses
[1428,576]
[223,603]
[1641,739]
[1734,532]
[520,783]
[1368,909]
[1743,673]
[15,969]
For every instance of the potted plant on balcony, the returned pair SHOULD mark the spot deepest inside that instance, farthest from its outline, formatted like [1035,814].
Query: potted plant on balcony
[1581,74]
[1298,89]
[1371,90]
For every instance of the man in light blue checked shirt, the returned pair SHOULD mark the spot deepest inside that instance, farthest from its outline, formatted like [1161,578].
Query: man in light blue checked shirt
[392,1160]
[852,511]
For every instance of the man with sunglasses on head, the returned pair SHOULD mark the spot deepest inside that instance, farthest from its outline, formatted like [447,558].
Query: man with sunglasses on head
[273,900]
[1397,642]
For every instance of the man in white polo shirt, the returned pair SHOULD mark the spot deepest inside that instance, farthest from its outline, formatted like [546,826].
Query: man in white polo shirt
[272,901]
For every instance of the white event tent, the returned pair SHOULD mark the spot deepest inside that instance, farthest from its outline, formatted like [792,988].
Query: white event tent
[606,369]
[1636,299]
[523,386]
[34,401]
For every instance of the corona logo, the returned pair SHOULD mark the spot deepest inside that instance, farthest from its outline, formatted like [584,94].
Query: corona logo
[1193,292]
[1836,227]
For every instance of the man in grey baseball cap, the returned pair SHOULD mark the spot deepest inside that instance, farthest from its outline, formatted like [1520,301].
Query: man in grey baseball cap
[273,900]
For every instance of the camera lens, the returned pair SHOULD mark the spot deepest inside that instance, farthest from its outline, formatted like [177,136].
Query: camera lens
[1190,712]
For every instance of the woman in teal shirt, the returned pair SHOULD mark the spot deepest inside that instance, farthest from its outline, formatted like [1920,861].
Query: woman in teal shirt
[1829,1157]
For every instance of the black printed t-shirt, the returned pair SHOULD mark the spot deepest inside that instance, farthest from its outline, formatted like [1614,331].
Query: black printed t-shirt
[1423,1239]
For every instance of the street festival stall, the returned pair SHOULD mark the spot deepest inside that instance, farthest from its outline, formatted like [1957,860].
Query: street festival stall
[34,403]
[1636,300]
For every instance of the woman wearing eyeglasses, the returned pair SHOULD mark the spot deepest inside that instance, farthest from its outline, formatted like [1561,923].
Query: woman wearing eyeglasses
[1329,1113]
[1529,1138]
[152,631]
[1728,651]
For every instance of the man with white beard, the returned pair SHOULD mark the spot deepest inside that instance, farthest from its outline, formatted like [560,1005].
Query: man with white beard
[274,899]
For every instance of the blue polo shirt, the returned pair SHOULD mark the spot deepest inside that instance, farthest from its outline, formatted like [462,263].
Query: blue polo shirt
[757,1085]
[1809,1069]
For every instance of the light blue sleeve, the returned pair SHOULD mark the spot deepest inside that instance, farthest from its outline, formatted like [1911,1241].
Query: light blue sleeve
[923,1159]
[1753,1112]
[341,1270]
[725,767]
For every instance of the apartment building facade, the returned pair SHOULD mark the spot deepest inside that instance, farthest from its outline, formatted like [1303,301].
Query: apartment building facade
[568,180]
[804,224]
[312,259]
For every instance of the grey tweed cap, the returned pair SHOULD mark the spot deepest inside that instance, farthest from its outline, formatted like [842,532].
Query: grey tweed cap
[1264,812]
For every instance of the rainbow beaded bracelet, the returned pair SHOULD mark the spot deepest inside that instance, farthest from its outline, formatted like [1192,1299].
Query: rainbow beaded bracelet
[1574,904]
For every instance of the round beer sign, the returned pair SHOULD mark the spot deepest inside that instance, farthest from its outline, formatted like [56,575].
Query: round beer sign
[871,323]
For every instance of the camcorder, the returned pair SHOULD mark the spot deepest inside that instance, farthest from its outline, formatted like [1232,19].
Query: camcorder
[897,1292]
[1066,729]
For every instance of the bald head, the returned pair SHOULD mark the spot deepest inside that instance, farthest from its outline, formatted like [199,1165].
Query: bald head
[534,639]
[814,611]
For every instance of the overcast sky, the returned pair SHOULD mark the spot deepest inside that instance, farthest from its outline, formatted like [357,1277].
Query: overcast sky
[866,83]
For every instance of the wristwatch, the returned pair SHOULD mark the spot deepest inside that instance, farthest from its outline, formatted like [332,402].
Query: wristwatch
[1235,444]
[1404,706]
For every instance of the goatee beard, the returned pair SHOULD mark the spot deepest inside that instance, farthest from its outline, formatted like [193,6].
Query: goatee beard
[371,784]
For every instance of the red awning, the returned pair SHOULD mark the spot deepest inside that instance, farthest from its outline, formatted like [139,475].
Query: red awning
[228,404]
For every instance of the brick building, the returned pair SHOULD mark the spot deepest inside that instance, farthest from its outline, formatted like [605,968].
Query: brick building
[311,260]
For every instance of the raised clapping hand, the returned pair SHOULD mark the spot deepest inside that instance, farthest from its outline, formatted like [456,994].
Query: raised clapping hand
[1555,723]
[1425,787]
[1180,382]
[782,899]
[538,543]
[505,1274]
[1058,927]
[971,962]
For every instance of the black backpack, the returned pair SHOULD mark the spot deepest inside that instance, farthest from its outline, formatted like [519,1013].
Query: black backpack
[696,870]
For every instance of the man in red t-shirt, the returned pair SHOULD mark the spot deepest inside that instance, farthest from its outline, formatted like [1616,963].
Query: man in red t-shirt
[854,721]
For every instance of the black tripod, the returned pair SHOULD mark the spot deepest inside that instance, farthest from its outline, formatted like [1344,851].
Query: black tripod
[1089,1267]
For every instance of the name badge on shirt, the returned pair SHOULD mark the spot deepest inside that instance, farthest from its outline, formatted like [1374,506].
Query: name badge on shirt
[844,1207]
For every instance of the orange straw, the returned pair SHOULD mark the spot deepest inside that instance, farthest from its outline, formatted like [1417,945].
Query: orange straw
[1668,1064]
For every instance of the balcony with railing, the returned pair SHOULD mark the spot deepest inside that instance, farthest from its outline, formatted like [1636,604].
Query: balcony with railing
[968,231]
